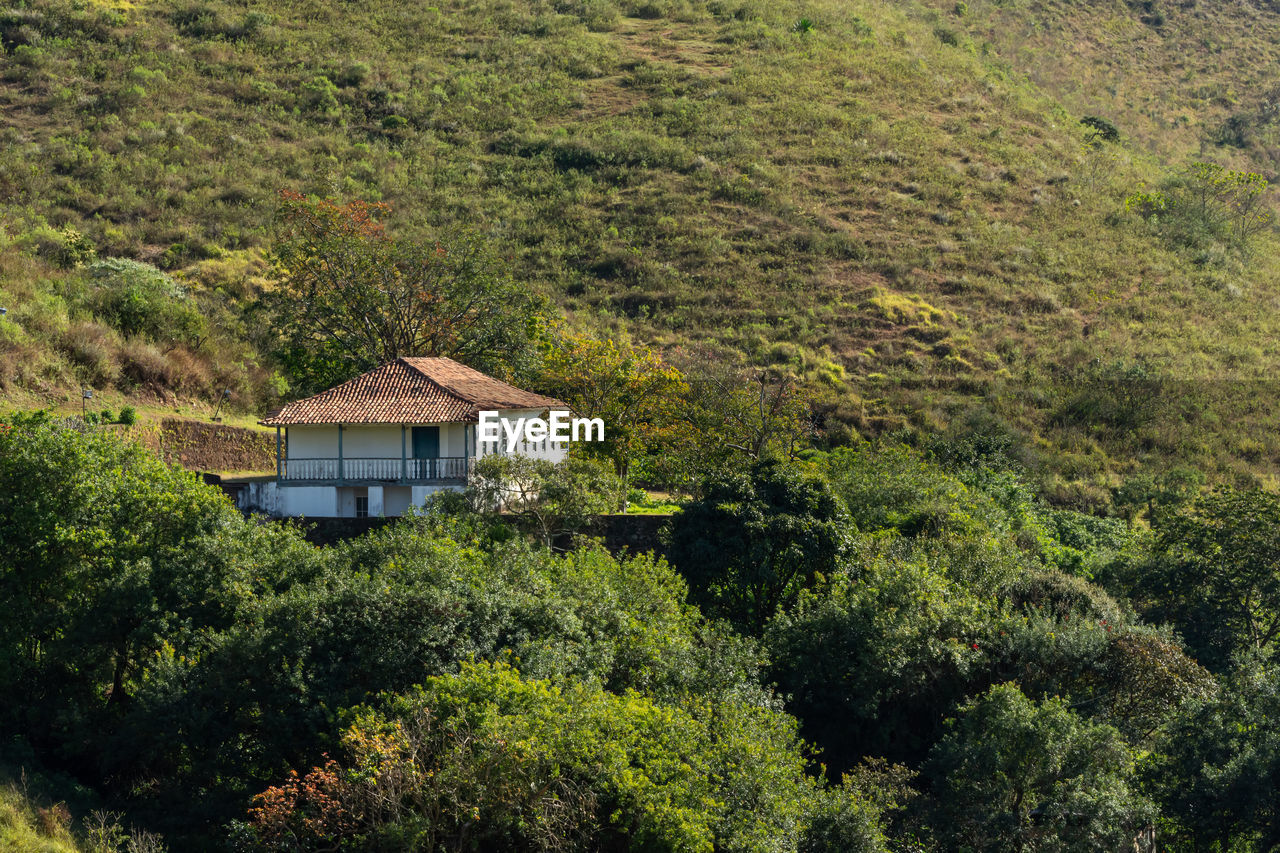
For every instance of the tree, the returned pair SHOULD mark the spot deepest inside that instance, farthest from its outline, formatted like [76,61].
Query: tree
[1215,573]
[110,563]
[349,296]
[484,759]
[755,539]
[1216,772]
[732,411]
[1016,775]
[631,388]
[874,660]
[550,500]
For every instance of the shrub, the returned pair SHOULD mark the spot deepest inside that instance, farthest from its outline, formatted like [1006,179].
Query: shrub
[549,767]
[139,300]
[143,364]
[91,347]
[76,249]
[1101,128]
[128,416]
[1206,206]
[320,96]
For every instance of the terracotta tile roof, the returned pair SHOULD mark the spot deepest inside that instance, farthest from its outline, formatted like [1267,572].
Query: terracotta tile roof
[410,391]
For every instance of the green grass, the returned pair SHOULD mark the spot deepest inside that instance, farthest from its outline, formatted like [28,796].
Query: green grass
[892,202]
[26,828]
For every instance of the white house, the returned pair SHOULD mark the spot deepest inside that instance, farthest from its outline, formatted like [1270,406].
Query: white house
[384,441]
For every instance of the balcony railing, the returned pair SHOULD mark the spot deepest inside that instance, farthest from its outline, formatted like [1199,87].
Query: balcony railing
[445,469]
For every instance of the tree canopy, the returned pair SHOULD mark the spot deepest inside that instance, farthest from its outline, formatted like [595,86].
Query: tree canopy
[349,295]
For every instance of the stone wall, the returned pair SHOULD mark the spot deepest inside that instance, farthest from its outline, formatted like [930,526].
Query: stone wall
[199,446]
[632,533]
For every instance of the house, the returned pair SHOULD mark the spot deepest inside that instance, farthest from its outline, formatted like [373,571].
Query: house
[384,441]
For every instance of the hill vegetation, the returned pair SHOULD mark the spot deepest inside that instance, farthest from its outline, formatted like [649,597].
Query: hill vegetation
[871,649]
[898,204]
[949,326]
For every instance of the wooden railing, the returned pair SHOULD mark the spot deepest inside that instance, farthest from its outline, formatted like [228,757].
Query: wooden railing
[387,470]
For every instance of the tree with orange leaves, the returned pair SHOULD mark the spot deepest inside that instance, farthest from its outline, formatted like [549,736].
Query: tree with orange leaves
[350,296]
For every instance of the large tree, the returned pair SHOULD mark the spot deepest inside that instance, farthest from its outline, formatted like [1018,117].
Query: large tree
[755,539]
[1216,574]
[1017,775]
[349,296]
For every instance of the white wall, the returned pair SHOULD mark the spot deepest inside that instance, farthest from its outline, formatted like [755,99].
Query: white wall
[334,501]
[377,441]
[374,440]
[396,500]
[310,501]
[312,442]
[451,441]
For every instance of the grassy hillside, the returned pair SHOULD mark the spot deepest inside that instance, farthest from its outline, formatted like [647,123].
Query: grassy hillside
[1181,78]
[871,194]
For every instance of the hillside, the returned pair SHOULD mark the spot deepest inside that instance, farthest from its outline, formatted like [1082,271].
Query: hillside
[1180,78]
[897,202]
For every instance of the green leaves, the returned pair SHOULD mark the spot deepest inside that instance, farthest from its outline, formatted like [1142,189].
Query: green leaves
[486,757]
[550,501]
[754,541]
[1215,573]
[138,299]
[1015,775]
[350,296]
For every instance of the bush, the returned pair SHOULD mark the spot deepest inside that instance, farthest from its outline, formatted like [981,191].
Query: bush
[1206,206]
[141,301]
[90,346]
[549,767]
[128,416]
[550,501]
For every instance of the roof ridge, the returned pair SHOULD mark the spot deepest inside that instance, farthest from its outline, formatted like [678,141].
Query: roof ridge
[452,392]
[409,389]
[449,388]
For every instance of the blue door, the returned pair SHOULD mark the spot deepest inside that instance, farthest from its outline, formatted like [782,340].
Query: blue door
[426,450]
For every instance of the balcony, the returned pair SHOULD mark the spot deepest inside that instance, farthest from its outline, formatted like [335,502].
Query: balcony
[444,470]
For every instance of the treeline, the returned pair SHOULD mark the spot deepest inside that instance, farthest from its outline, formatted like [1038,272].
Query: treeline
[870,649]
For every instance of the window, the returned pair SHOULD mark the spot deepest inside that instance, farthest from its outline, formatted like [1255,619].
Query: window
[362,506]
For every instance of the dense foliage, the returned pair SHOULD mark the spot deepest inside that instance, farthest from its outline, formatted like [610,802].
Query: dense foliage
[925,316]
[904,662]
